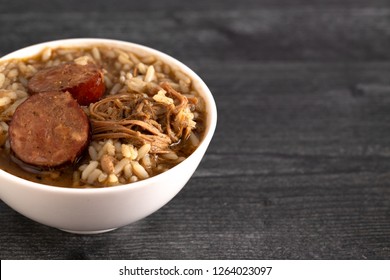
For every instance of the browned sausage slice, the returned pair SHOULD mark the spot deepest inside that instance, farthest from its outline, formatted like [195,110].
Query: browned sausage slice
[49,130]
[84,82]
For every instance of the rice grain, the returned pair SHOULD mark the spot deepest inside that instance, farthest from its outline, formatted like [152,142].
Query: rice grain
[115,88]
[46,54]
[102,177]
[112,179]
[4,126]
[13,73]
[134,58]
[92,177]
[181,76]
[194,140]
[124,60]
[91,166]
[133,179]
[96,53]
[170,156]
[120,165]
[143,151]
[5,101]
[2,79]
[142,68]
[92,153]
[149,76]
[146,161]
[127,171]
[139,170]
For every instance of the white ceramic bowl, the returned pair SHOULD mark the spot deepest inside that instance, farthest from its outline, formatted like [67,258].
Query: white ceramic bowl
[99,210]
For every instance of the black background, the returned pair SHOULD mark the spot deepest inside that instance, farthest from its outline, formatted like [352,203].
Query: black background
[299,167]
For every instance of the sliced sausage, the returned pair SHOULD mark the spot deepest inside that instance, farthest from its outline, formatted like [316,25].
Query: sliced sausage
[49,130]
[84,82]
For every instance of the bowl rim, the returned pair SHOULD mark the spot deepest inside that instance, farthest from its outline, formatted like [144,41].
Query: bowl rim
[79,42]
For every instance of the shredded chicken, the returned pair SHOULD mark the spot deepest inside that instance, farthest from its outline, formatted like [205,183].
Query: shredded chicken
[160,120]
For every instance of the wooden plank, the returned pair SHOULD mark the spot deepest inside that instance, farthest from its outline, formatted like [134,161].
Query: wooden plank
[272,217]
[315,33]
[50,6]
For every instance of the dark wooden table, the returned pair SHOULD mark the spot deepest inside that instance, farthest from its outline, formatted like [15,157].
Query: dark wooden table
[299,167]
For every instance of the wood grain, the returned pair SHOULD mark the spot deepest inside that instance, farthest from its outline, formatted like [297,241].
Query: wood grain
[299,167]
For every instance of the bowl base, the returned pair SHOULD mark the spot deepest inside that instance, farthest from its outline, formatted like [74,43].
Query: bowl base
[88,231]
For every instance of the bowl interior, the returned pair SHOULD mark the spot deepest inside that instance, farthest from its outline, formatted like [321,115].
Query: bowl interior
[141,51]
